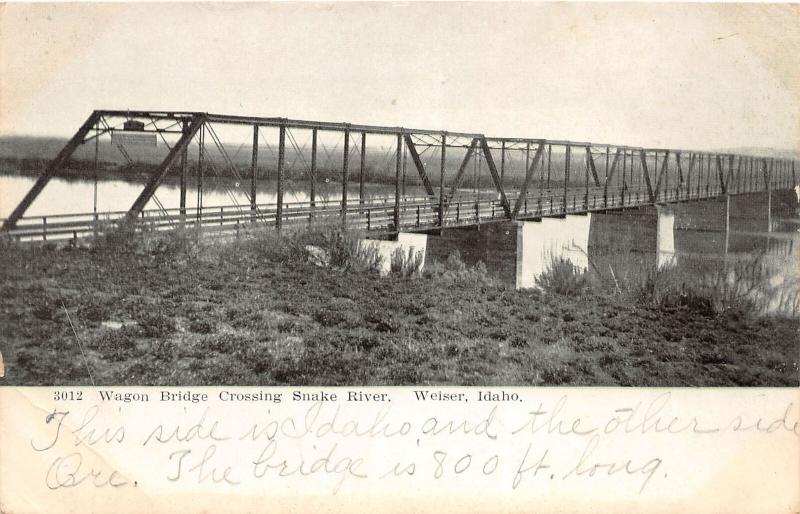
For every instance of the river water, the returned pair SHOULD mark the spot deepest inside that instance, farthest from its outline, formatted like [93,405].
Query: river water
[70,196]
[713,237]
[747,245]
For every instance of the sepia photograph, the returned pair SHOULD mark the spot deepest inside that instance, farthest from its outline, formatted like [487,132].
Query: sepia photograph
[400,194]
[399,257]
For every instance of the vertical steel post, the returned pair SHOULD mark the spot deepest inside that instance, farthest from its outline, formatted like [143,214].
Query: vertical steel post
[727,223]
[699,173]
[475,175]
[729,175]
[361,168]
[441,180]
[655,171]
[345,158]
[184,171]
[281,158]
[549,152]
[740,169]
[785,173]
[253,173]
[605,187]
[586,185]
[770,173]
[503,162]
[528,159]
[625,175]
[405,156]
[566,175]
[313,178]
[96,151]
[397,172]
[692,160]
[769,210]
[200,165]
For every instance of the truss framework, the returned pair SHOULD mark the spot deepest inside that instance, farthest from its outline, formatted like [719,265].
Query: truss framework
[648,168]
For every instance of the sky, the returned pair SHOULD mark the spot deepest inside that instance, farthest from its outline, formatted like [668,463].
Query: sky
[693,76]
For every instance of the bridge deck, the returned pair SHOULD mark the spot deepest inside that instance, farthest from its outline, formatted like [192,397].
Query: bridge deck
[374,215]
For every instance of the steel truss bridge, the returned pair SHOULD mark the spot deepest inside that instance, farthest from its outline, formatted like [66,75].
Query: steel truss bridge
[527,178]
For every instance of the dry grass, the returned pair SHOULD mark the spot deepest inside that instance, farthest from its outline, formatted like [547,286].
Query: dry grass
[256,311]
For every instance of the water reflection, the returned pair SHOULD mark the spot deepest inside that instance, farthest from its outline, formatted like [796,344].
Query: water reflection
[744,239]
[66,196]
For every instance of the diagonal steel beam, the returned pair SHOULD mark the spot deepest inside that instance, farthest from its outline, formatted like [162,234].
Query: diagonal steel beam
[739,175]
[646,173]
[426,181]
[50,171]
[610,176]
[159,173]
[523,192]
[661,174]
[460,175]
[768,173]
[729,174]
[613,169]
[592,168]
[487,154]
[680,168]
[721,174]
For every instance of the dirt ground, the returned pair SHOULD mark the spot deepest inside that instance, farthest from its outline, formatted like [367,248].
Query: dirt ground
[253,313]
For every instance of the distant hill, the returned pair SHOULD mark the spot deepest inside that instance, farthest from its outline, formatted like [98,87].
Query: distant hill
[25,147]
[764,152]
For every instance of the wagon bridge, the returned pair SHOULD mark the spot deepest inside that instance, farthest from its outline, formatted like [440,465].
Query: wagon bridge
[430,179]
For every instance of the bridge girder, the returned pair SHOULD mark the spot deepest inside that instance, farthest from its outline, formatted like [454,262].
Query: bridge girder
[190,122]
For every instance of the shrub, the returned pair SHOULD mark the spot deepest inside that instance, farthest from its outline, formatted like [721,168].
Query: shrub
[155,324]
[269,245]
[93,311]
[117,240]
[563,277]
[341,317]
[227,343]
[348,252]
[202,326]
[46,307]
[52,366]
[172,243]
[257,356]
[741,288]
[456,271]
[163,350]
[114,345]
[407,265]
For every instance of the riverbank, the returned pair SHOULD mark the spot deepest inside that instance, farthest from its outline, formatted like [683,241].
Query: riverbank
[164,310]
[140,172]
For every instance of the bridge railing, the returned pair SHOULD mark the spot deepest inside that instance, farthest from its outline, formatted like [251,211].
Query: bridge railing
[372,214]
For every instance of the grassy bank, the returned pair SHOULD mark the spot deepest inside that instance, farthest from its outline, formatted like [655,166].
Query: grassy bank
[261,310]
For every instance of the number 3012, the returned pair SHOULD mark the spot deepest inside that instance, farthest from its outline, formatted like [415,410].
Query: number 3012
[64,396]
